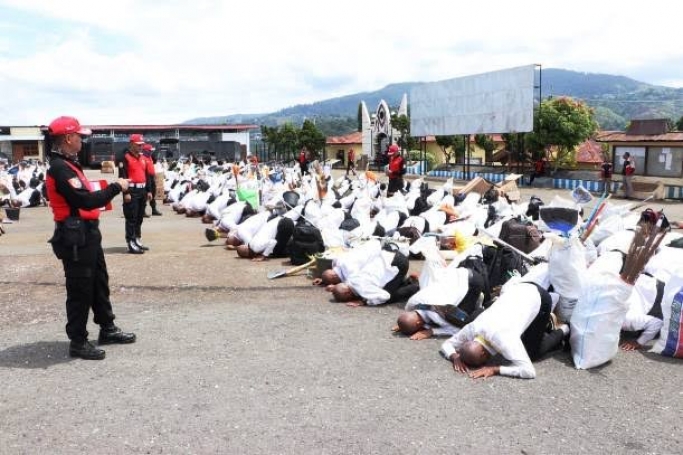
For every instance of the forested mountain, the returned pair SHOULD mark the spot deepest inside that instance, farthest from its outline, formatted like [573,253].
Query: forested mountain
[616,100]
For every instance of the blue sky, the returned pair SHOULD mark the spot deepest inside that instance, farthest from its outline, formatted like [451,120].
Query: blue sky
[166,61]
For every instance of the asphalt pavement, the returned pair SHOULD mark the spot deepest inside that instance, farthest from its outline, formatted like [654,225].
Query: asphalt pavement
[229,362]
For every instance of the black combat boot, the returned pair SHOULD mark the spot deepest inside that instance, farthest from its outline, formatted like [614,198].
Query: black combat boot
[110,334]
[85,350]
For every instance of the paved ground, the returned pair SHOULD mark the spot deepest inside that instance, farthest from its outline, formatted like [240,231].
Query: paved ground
[230,362]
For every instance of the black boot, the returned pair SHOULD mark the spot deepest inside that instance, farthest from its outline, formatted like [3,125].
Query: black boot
[133,248]
[110,334]
[138,242]
[85,350]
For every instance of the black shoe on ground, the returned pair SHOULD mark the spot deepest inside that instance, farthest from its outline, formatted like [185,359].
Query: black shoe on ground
[85,350]
[133,248]
[138,242]
[146,215]
[156,213]
[113,335]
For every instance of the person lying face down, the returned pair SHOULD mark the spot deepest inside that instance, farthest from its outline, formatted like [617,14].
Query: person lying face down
[271,240]
[370,276]
[516,326]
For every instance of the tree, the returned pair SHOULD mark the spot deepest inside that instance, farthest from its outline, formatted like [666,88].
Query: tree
[563,123]
[312,138]
[679,124]
[485,142]
[402,124]
[289,141]
[460,146]
[271,138]
[446,143]
[514,144]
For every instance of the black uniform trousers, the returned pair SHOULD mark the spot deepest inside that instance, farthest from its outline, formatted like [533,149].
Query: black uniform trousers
[395,185]
[399,288]
[87,282]
[537,339]
[285,229]
[134,212]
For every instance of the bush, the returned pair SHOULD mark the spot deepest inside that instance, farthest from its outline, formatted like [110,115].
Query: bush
[416,155]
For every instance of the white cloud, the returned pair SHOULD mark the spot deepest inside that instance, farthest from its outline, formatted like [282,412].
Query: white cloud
[152,61]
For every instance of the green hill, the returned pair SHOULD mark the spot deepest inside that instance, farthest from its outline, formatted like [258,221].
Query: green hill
[616,100]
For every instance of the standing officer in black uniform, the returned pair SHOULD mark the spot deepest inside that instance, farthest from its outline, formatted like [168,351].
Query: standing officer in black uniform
[134,168]
[77,241]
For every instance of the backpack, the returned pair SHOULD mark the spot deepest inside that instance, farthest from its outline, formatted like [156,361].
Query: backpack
[534,208]
[523,236]
[306,241]
[501,263]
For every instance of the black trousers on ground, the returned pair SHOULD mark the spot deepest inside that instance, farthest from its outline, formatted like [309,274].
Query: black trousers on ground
[87,283]
[134,212]
[537,340]
[479,280]
[285,229]
[399,288]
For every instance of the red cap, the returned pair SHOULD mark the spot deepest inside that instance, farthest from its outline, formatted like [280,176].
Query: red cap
[137,139]
[393,148]
[66,125]
[147,147]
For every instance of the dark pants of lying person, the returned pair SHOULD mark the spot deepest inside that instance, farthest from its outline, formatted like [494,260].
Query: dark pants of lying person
[538,340]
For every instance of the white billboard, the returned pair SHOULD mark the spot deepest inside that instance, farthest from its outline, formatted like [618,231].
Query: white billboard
[496,102]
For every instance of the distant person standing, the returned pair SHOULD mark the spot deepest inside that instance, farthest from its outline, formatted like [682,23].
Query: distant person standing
[303,161]
[540,167]
[627,171]
[606,175]
[134,168]
[395,170]
[351,162]
[148,152]
[77,241]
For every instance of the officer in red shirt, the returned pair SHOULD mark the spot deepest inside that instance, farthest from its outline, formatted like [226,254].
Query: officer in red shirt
[134,168]
[396,170]
[77,240]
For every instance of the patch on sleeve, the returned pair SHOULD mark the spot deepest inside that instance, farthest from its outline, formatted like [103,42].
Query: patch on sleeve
[76,183]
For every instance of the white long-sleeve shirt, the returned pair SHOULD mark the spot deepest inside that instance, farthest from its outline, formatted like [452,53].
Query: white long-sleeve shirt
[249,227]
[231,215]
[640,302]
[367,269]
[264,241]
[436,323]
[500,329]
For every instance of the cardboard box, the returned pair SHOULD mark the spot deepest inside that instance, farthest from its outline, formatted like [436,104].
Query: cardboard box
[107,167]
[159,183]
[476,185]
[509,187]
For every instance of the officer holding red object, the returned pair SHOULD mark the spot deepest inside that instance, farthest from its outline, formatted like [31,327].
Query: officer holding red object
[77,240]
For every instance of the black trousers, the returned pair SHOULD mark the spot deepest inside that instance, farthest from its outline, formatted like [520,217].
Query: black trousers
[399,288]
[134,212]
[478,281]
[395,185]
[87,284]
[537,340]
[153,201]
[285,229]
